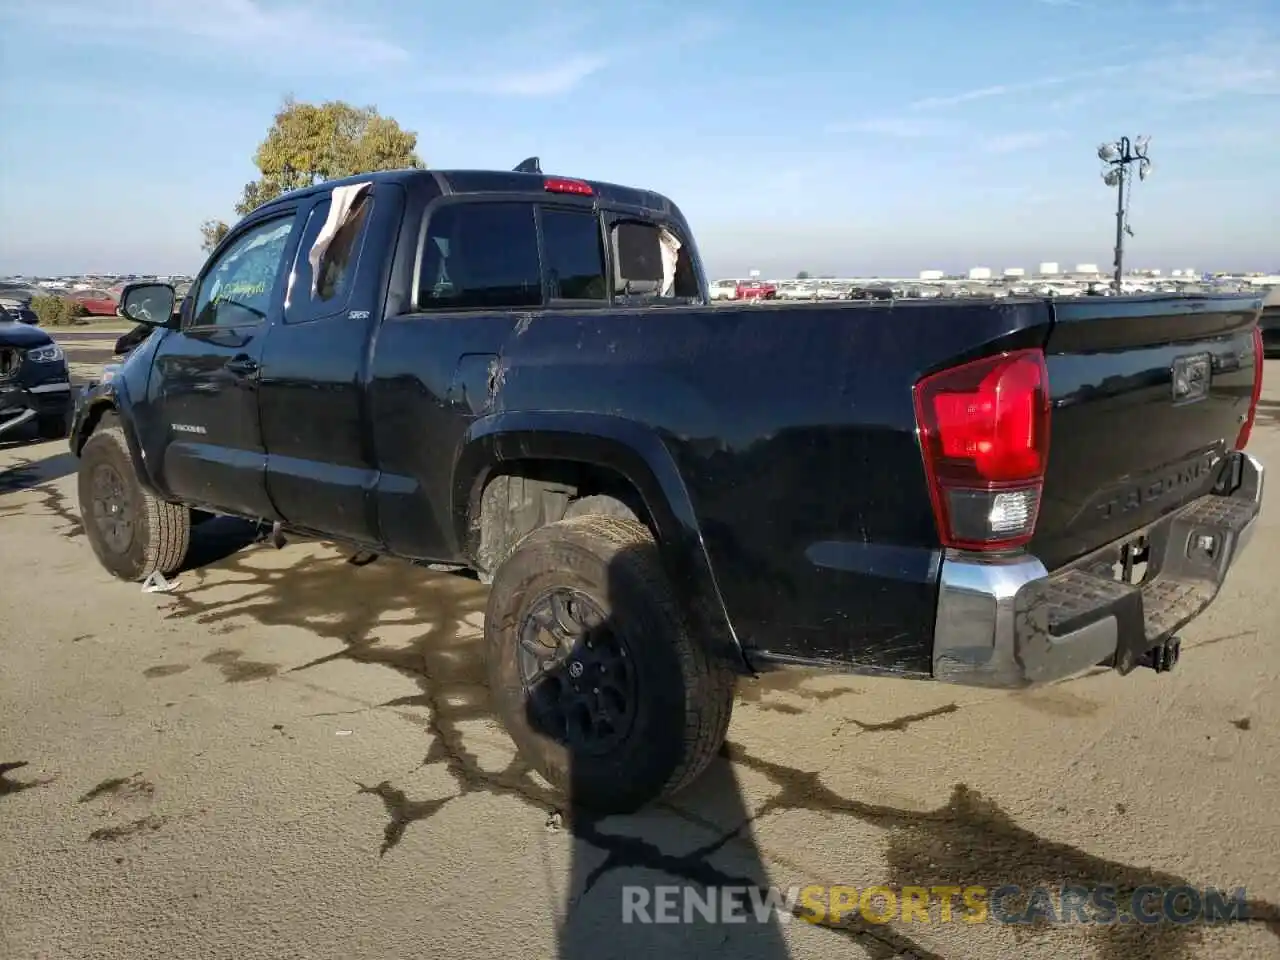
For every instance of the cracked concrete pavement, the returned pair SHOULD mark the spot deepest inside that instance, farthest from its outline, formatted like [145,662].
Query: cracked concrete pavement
[293,756]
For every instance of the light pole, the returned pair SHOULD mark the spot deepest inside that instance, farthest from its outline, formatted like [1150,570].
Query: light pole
[1118,159]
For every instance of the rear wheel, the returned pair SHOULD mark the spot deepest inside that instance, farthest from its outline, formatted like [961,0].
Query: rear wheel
[594,671]
[133,533]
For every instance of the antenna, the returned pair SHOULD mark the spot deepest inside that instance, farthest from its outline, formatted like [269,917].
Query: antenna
[531,165]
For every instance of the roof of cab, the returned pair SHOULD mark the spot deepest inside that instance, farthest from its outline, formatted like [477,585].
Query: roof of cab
[492,181]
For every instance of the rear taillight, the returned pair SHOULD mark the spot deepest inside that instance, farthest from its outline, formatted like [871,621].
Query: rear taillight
[984,433]
[1242,440]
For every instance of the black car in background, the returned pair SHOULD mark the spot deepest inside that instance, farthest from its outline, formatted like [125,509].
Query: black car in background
[18,310]
[35,385]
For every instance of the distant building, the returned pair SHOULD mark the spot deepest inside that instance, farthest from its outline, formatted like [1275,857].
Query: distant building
[932,274]
[1087,268]
[1049,269]
[980,273]
[1014,272]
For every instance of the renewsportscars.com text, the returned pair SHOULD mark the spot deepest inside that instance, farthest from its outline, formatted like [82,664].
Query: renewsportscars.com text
[973,904]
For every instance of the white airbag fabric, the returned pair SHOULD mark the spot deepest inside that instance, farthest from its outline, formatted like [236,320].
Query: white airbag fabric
[344,199]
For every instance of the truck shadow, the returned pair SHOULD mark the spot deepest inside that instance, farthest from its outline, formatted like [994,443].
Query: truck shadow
[217,538]
[705,837]
[359,606]
[27,474]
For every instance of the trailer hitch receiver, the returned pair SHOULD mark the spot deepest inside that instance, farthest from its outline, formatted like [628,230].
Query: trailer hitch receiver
[1164,657]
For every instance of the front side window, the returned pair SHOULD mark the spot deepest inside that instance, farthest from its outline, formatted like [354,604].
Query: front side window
[575,255]
[480,256]
[236,290]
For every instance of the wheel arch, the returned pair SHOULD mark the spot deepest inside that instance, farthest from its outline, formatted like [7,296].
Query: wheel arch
[619,458]
[87,419]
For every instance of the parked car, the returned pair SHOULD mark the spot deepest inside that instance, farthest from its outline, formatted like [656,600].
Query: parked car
[35,386]
[724,289]
[18,310]
[666,495]
[98,304]
[756,290]
[797,290]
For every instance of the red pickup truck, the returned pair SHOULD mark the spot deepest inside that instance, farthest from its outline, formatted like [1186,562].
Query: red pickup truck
[757,290]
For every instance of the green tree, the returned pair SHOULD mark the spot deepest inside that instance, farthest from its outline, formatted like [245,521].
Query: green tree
[802,275]
[212,231]
[309,143]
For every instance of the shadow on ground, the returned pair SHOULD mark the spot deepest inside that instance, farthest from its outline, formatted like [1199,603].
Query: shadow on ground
[703,839]
[1268,412]
[40,477]
[26,474]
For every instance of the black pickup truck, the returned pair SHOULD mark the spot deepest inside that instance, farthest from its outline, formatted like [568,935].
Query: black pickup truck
[522,375]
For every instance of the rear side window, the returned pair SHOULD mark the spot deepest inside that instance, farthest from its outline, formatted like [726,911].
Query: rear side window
[575,255]
[480,256]
[337,268]
[650,260]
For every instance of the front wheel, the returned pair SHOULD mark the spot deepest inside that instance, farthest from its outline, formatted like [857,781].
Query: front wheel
[133,533]
[594,671]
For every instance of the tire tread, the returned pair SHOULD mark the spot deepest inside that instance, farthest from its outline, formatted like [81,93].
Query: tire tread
[168,525]
[709,681]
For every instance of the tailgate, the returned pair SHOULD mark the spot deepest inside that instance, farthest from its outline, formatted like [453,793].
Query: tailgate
[1147,396]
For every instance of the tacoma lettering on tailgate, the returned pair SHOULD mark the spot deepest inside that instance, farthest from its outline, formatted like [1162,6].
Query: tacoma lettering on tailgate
[1163,485]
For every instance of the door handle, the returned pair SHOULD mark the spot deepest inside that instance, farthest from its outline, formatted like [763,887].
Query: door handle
[243,365]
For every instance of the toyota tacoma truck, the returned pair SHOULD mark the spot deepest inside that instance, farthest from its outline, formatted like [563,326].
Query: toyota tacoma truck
[523,376]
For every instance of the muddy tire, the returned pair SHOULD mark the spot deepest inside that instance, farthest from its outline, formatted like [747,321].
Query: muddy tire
[594,671]
[599,505]
[133,533]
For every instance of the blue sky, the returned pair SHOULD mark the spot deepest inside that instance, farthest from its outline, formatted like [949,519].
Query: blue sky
[855,138]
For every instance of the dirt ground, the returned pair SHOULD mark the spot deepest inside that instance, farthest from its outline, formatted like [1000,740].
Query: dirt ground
[292,756]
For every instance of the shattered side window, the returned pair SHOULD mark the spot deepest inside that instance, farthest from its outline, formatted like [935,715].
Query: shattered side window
[237,289]
[338,264]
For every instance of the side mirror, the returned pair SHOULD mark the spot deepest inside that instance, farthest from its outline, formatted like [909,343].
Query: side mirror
[149,303]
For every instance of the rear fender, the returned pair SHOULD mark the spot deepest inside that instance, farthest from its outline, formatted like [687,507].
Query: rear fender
[626,448]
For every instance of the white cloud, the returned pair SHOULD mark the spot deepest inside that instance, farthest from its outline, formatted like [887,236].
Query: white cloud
[1005,89]
[1017,142]
[545,82]
[1228,66]
[901,127]
[266,32]
[560,70]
